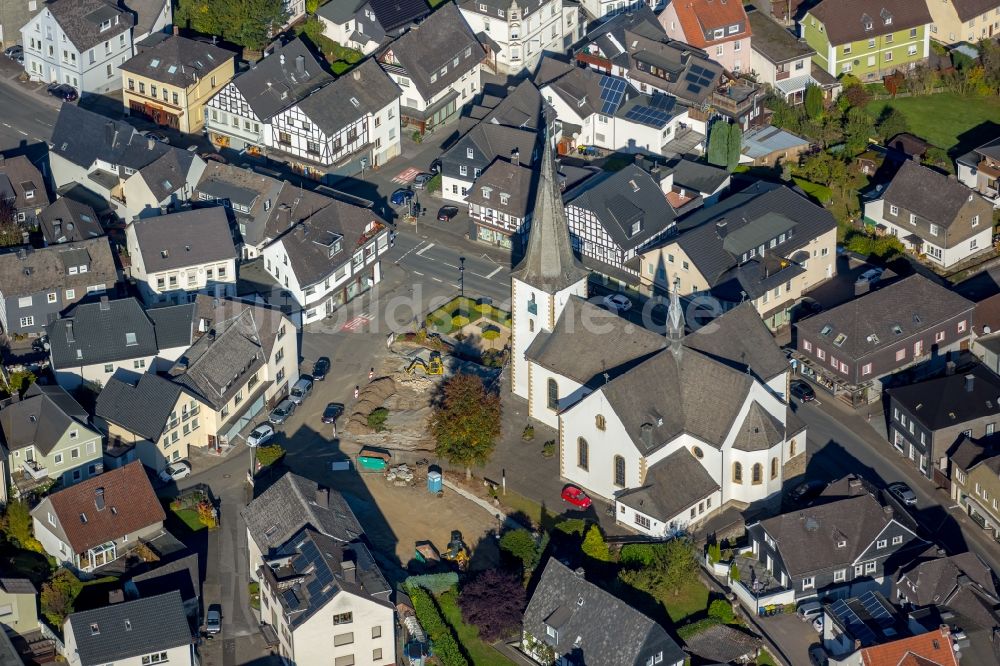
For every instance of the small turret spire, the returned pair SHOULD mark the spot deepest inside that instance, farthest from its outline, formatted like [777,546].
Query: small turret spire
[675,321]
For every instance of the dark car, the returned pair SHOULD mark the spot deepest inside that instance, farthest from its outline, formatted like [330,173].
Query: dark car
[803,391]
[157,136]
[64,91]
[215,157]
[435,166]
[13,51]
[807,491]
[447,213]
[332,412]
[320,368]
[401,196]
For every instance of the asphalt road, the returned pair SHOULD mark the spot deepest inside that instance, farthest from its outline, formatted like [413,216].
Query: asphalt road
[26,119]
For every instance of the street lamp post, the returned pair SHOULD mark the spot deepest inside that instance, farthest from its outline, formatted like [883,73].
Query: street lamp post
[461,276]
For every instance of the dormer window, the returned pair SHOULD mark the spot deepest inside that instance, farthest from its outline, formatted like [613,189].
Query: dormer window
[719,34]
[469,153]
[733,29]
[105,25]
[636,227]
[504,199]
[552,633]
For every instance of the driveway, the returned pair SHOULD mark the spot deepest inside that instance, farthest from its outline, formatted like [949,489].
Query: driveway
[793,636]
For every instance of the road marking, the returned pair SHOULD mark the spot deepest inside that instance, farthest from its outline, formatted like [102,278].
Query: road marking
[356,323]
[22,132]
[406,176]
[445,263]
[426,247]
[498,269]
[437,279]
[6,124]
[417,273]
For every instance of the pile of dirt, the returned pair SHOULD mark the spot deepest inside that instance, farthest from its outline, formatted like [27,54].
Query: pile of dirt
[408,400]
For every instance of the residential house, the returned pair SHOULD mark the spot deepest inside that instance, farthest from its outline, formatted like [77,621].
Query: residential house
[862,621]
[986,331]
[342,128]
[366,25]
[68,221]
[928,418]
[19,601]
[783,61]
[239,116]
[601,10]
[22,189]
[849,348]
[92,341]
[170,80]
[37,284]
[692,180]
[99,520]
[329,258]
[472,154]
[500,203]
[962,583]
[869,40]
[523,31]
[178,255]
[243,360]
[933,215]
[575,621]
[722,29]
[79,42]
[180,574]
[935,648]
[131,633]
[151,16]
[767,245]
[954,21]
[838,549]
[437,65]
[517,106]
[13,15]
[724,644]
[980,170]
[136,174]
[782,11]
[48,437]
[975,482]
[771,146]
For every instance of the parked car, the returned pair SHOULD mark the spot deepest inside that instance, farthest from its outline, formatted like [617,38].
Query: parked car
[175,471]
[13,51]
[902,492]
[818,624]
[809,306]
[576,497]
[801,390]
[617,302]
[818,656]
[401,196]
[261,435]
[301,390]
[281,413]
[320,368]
[213,619]
[63,91]
[332,412]
[809,611]
[447,213]
[421,180]
[19,58]
[807,491]
[435,166]
[870,276]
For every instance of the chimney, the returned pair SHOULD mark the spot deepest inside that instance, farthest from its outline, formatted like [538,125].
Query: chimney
[945,630]
[854,484]
[887,510]
[970,382]
[300,64]
[105,304]
[721,228]
[69,332]
[515,157]
[116,597]
[579,572]
[150,143]
[322,496]
[647,435]
[349,569]
[356,74]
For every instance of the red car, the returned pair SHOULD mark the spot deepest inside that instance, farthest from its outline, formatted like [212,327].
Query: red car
[576,497]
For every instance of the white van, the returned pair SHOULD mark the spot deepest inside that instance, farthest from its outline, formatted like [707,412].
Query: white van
[301,390]
[809,611]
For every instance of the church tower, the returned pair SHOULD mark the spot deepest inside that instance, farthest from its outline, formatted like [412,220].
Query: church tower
[548,274]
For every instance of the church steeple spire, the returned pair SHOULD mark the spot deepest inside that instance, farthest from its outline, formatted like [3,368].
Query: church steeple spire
[675,321]
[549,263]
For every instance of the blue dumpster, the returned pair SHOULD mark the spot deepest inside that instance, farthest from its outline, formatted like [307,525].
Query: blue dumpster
[434,483]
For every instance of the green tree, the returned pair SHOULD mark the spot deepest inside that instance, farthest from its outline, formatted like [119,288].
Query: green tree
[594,545]
[734,147]
[521,544]
[721,610]
[58,596]
[892,122]
[270,454]
[312,6]
[249,23]
[718,143]
[859,127]
[813,101]
[466,422]
[17,526]
[679,563]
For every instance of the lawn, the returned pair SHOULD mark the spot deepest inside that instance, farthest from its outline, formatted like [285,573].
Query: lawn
[190,519]
[944,118]
[480,654]
[692,600]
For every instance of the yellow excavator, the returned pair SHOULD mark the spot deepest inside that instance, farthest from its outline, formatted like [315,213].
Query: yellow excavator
[433,366]
[457,552]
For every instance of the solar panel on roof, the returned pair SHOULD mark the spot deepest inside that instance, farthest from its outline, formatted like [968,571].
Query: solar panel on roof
[876,609]
[612,92]
[646,115]
[852,623]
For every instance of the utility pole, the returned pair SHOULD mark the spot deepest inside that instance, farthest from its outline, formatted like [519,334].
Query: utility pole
[461,276]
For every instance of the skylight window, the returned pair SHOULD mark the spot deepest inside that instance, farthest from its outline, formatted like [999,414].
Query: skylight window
[826,330]
[130,340]
[154,63]
[840,339]
[897,329]
[172,69]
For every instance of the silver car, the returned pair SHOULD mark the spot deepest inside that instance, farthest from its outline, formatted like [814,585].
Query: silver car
[281,413]
[421,180]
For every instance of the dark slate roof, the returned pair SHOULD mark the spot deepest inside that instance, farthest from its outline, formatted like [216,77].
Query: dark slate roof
[914,304]
[174,325]
[592,625]
[950,400]
[844,20]
[672,485]
[167,174]
[759,431]
[773,41]
[724,643]
[275,83]
[341,12]
[693,75]
[579,87]
[81,21]
[332,108]
[549,262]
[130,629]
[41,418]
[17,586]
[294,502]
[579,346]
[187,238]
[628,196]
[610,38]
[990,148]
[30,271]
[740,338]
[520,107]
[930,195]
[67,221]
[181,575]
[101,333]
[249,188]
[500,178]
[393,14]
[141,406]
[82,136]
[432,45]
[488,141]
[146,13]
[697,176]
[178,61]
[18,176]
[970,452]
[937,579]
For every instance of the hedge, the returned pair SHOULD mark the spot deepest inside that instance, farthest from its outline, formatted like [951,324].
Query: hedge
[445,643]
[690,630]
[434,583]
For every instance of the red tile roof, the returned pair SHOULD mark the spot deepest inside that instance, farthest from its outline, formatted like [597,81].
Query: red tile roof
[931,649]
[129,504]
[698,16]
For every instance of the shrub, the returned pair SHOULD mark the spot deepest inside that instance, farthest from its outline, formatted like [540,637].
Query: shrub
[734,573]
[58,595]
[883,248]
[521,544]
[493,602]
[434,583]
[270,454]
[722,611]
[690,630]
[528,433]
[638,554]
[377,419]
[458,321]
[206,514]
[549,448]
[445,644]
[594,545]
[714,553]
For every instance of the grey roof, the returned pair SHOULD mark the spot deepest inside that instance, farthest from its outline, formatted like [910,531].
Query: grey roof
[168,174]
[292,503]
[697,176]
[579,87]
[187,238]
[592,625]
[724,643]
[394,14]
[932,196]
[17,586]
[609,37]
[41,418]
[762,141]
[914,304]
[950,400]
[141,406]
[81,21]
[759,431]
[181,574]
[938,579]
[773,41]
[431,46]
[990,148]
[740,338]
[672,485]
[549,262]
[693,76]
[176,60]
[341,12]
[520,107]
[30,271]
[67,221]
[111,330]
[130,629]
[504,178]
[626,197]
[174,325]
[147,12]
[260,194]
[589,341]
[366,89]
[18,176]
[844,20]
[276,82]
[82,137]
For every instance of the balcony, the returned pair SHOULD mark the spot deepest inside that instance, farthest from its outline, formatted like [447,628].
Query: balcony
[35,471]
[189,413]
